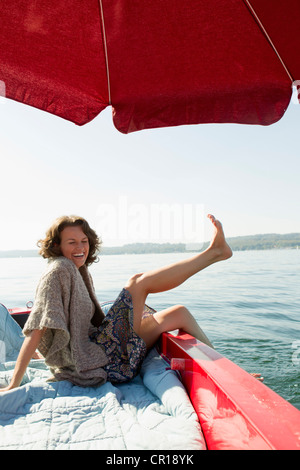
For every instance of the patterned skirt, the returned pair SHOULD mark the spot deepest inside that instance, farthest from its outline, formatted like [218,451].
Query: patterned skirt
[124,348]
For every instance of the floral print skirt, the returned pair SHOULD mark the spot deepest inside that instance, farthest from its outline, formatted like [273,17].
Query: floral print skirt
[124,348]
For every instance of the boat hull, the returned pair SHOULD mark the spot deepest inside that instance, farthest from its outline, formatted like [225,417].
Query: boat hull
[235,410]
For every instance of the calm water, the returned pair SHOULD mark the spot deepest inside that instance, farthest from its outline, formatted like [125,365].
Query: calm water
[248,306]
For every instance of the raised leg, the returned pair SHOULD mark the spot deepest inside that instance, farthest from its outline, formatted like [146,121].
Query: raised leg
[169,277]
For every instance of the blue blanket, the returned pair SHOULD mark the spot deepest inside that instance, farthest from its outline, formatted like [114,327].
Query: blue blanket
[151,412]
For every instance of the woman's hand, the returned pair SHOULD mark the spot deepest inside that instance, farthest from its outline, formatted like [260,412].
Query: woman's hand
[5,389]
[27,351]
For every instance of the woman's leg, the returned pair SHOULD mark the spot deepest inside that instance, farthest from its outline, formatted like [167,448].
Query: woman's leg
[169,277]
[172,318]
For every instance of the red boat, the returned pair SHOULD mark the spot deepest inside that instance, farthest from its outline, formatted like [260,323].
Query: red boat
[235,410]
[139,58]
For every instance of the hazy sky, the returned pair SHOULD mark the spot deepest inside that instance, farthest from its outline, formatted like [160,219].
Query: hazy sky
[152,185]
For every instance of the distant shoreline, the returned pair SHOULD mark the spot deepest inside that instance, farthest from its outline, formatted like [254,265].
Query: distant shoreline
[269,241]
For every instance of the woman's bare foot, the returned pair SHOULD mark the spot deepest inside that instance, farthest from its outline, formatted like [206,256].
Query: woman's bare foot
[218,243]
[258,377]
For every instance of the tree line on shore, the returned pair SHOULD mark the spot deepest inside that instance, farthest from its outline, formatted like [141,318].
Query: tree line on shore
[243,243]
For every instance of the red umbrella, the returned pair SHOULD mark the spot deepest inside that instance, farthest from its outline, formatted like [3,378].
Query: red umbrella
[156,62]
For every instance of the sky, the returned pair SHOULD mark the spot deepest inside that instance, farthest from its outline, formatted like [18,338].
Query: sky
[153,185]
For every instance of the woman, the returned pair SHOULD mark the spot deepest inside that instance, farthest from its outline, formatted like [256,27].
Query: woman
[68,327]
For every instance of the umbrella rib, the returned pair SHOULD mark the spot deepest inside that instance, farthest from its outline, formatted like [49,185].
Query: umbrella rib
[268,37]
[105,51]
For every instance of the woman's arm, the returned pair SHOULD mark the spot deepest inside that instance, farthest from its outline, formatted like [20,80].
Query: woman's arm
[27,350]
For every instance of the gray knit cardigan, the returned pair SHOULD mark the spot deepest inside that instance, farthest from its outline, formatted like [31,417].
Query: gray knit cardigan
[66,305]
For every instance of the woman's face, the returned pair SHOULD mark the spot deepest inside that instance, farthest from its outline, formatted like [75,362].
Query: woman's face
[74,245]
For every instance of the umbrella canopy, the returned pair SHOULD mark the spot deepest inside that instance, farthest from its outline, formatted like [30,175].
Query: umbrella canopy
[157,63]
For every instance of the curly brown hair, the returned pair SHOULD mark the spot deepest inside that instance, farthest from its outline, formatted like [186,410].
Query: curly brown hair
[50,246]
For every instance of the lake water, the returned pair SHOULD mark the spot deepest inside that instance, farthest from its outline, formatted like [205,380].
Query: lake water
[248,306]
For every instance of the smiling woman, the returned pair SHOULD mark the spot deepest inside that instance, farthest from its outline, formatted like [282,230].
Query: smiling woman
[72,237]
[68,326]
[74,245]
